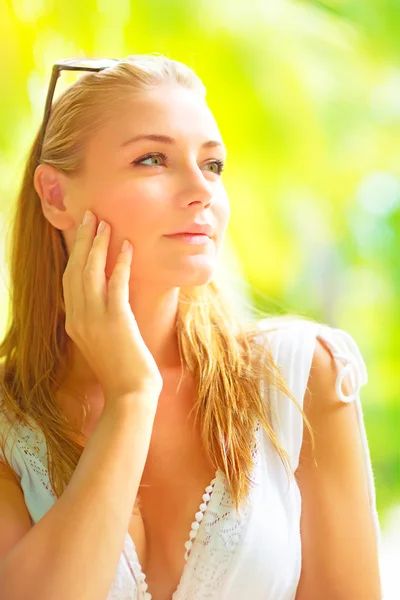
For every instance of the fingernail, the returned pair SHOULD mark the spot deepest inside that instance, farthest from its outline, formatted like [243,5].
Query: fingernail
[87,217]
[101,227]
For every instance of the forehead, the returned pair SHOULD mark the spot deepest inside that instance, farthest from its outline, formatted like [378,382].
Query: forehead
[167,110]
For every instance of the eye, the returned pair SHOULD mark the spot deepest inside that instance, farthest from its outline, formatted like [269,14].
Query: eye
[219,164]
[157,155]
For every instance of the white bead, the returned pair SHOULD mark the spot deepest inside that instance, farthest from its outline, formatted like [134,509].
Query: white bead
[192,534]
[188,545]
[209,488]
[186,556]
[199,516]
[143,586]
[206,497]
[203,506]
[195,525]
[147,596]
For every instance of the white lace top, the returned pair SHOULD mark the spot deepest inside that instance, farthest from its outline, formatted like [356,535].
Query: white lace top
[257,553]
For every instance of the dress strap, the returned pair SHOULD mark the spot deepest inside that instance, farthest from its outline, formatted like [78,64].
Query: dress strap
[344,348]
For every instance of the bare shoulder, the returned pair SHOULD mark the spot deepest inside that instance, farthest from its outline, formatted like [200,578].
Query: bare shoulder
[321,387]
[339,551]
[334,423]
[7,473]
[15,519]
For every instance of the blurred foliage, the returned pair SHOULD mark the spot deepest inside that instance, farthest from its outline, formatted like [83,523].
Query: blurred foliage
[307,97]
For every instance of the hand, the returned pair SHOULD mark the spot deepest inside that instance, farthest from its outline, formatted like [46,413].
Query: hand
[99,318]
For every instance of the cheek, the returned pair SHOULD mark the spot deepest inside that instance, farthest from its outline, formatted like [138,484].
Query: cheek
[136,218]
[130,210]
[223,210]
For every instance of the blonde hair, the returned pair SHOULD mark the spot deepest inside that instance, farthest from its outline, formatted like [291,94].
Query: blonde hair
[217,345]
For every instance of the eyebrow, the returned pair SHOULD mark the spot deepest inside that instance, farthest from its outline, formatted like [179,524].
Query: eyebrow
[166,139]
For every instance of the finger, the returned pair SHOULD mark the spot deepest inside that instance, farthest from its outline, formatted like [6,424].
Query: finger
[74,292]
[118,284]
[94,273]
[83,243]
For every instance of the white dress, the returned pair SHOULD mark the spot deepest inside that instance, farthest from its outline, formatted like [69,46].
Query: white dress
[257,553]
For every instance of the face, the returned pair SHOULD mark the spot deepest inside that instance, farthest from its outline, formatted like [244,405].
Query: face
[147,189]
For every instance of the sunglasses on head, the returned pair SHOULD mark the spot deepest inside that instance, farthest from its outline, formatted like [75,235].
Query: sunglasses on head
[72,64]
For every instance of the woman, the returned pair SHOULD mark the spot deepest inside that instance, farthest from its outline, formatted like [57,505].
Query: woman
[111,488]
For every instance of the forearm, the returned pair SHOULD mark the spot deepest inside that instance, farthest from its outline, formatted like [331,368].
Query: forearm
[73,551]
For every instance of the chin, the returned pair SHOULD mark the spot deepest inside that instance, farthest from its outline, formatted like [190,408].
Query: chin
[196,279]
[192,277]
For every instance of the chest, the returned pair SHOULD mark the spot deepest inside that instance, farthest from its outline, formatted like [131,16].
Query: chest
[174,479]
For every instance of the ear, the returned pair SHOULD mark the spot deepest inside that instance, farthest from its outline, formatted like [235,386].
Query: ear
[50,186]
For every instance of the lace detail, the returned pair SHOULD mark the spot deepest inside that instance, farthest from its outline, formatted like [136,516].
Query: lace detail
[219,535]
[213,542]
[137,572]
[31,443]
[199,517]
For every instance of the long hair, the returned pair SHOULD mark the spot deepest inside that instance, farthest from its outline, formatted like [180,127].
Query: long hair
[217,344]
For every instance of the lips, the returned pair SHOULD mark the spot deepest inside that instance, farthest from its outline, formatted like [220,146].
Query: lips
[188,233]
[196,229]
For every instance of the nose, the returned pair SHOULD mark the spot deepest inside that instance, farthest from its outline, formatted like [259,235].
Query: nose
[197,188]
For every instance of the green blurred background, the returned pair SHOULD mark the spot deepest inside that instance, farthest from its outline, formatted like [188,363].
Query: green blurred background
[307,97]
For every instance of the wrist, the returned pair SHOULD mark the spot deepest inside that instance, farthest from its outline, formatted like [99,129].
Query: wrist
[141,403]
